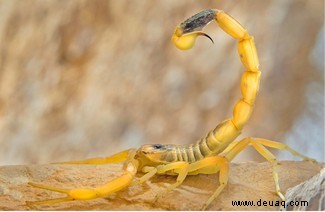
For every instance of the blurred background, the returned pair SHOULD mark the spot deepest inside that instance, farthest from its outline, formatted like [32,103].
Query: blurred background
[82,79]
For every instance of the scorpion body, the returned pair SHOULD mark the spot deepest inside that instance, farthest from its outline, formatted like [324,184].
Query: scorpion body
[211,154]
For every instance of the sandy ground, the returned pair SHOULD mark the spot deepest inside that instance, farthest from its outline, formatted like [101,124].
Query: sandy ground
[248,182]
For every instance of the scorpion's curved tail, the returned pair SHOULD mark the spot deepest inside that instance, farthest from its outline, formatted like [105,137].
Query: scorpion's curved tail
[184,38]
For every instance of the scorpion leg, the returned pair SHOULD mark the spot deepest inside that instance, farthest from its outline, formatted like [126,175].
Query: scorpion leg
[181,168]
[130,166]
[264,152]
[272,159]
[215,164]
[281,146]
[116,158]
[259,144]
[150,172]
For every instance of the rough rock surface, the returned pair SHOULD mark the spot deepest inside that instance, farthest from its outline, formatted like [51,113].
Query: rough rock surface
[248,181]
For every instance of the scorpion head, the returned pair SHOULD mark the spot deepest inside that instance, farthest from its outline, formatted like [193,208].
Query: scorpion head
[186,33]
[153,154]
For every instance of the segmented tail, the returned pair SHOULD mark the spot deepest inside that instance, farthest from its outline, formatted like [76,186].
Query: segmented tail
[228,130]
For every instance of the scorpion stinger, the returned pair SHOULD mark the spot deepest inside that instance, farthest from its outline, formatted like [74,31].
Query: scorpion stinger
[186,33]
[212,153]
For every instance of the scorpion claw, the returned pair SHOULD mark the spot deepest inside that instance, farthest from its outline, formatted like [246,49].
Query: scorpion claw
[130,167]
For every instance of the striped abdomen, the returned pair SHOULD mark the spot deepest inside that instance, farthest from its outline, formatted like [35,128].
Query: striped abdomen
[212,144]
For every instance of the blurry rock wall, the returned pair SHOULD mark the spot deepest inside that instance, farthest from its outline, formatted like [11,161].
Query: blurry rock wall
[82,79]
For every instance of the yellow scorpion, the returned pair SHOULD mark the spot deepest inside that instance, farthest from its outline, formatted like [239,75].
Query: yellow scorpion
[211,154]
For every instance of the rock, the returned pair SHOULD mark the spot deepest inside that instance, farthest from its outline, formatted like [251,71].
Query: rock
[250,181]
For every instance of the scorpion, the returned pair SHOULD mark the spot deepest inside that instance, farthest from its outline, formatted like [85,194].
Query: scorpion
[211,154]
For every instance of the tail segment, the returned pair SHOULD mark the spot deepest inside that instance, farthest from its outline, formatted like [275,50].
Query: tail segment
[227,131]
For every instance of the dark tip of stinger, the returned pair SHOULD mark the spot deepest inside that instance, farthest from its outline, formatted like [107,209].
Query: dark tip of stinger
[208,37]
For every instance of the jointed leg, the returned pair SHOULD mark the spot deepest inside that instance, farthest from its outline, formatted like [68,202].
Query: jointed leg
[241,145]
[150,172]
[281,146]
[178,167]
[215,163]
[259,144]
[181,168]
[272,159]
